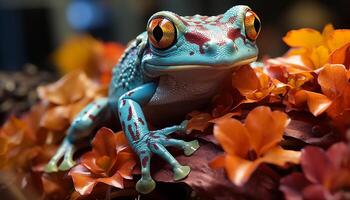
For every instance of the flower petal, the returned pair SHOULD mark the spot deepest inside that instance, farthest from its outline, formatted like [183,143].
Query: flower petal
[56,118]
[239,170]
[265,128]
[218,162]
[125,164]
[293,185]
[338,39]
[317,103]
[199,121]
[245,80]
[333,79]
[104,142]
[305,37]
[319,56]
[281,157]
[67,90]
[316,164]
[316,191]
[116,180]
[233,137]
[82,179]
[338,153]
[341,56]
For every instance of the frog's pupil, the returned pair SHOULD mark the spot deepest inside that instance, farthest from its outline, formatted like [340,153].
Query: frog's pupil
[257,25]
[158,33]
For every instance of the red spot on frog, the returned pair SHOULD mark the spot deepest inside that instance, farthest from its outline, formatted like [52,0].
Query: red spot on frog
[130,113]
[198,39]
[235,33]
[141,121]
[144,161]
[155,146]
[132,133]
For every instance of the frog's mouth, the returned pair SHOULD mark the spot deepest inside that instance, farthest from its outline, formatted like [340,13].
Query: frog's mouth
[158,68]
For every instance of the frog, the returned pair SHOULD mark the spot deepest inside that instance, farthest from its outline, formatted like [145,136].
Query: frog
[174,67]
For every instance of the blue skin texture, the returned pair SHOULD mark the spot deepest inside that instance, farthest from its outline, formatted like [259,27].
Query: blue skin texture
[162,85]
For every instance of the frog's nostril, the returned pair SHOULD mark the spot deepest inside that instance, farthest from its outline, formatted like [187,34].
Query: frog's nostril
[231,45]
[208,47]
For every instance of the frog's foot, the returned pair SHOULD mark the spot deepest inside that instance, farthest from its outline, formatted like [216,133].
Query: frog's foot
[145,185]
[66,150]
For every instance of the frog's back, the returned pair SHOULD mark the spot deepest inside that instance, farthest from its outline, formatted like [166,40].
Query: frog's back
[127,74]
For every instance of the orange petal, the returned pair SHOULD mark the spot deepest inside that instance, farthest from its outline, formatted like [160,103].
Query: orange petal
[317,103]
[239,170]
[233,137]
[341,56]
[68,89]
[305,37]
[89,161]
[265,128]
[121,141]
[319,56]
[333,80]
[82,179]
[116,180]
[338,39]
[327,31]
[104,142]
[245,80]
[218,162]
[56,118]
[227,116]
[126,162]
[280,157]
[13,130]
[199,122]
[3,145]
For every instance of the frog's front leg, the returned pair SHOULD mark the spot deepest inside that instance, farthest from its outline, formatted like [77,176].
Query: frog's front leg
[145,142]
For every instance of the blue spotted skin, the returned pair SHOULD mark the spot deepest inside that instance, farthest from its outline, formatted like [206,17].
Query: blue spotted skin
[161,86]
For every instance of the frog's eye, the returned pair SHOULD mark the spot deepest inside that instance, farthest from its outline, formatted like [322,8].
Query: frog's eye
[161,32]
[252,25]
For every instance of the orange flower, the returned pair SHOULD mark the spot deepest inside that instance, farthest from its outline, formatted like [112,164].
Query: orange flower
[67,97]
[109,162]
[314,48]
[250,144]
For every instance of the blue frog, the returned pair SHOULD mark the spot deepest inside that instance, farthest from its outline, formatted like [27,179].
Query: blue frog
[174,67]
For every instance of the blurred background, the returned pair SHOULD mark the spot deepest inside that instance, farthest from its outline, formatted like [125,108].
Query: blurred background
[32,29]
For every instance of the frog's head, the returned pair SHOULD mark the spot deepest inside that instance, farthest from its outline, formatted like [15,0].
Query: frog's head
[196,42]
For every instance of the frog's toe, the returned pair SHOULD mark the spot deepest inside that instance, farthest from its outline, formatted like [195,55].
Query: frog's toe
[183,125]
[66,164]
[51,167]
[68,161]
[145,185]
[191,147]
[180,172]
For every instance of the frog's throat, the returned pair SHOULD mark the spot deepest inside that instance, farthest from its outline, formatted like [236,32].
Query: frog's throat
[156,68]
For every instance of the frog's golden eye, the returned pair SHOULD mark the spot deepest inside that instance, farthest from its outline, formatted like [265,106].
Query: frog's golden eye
[252,25]
[161,32]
